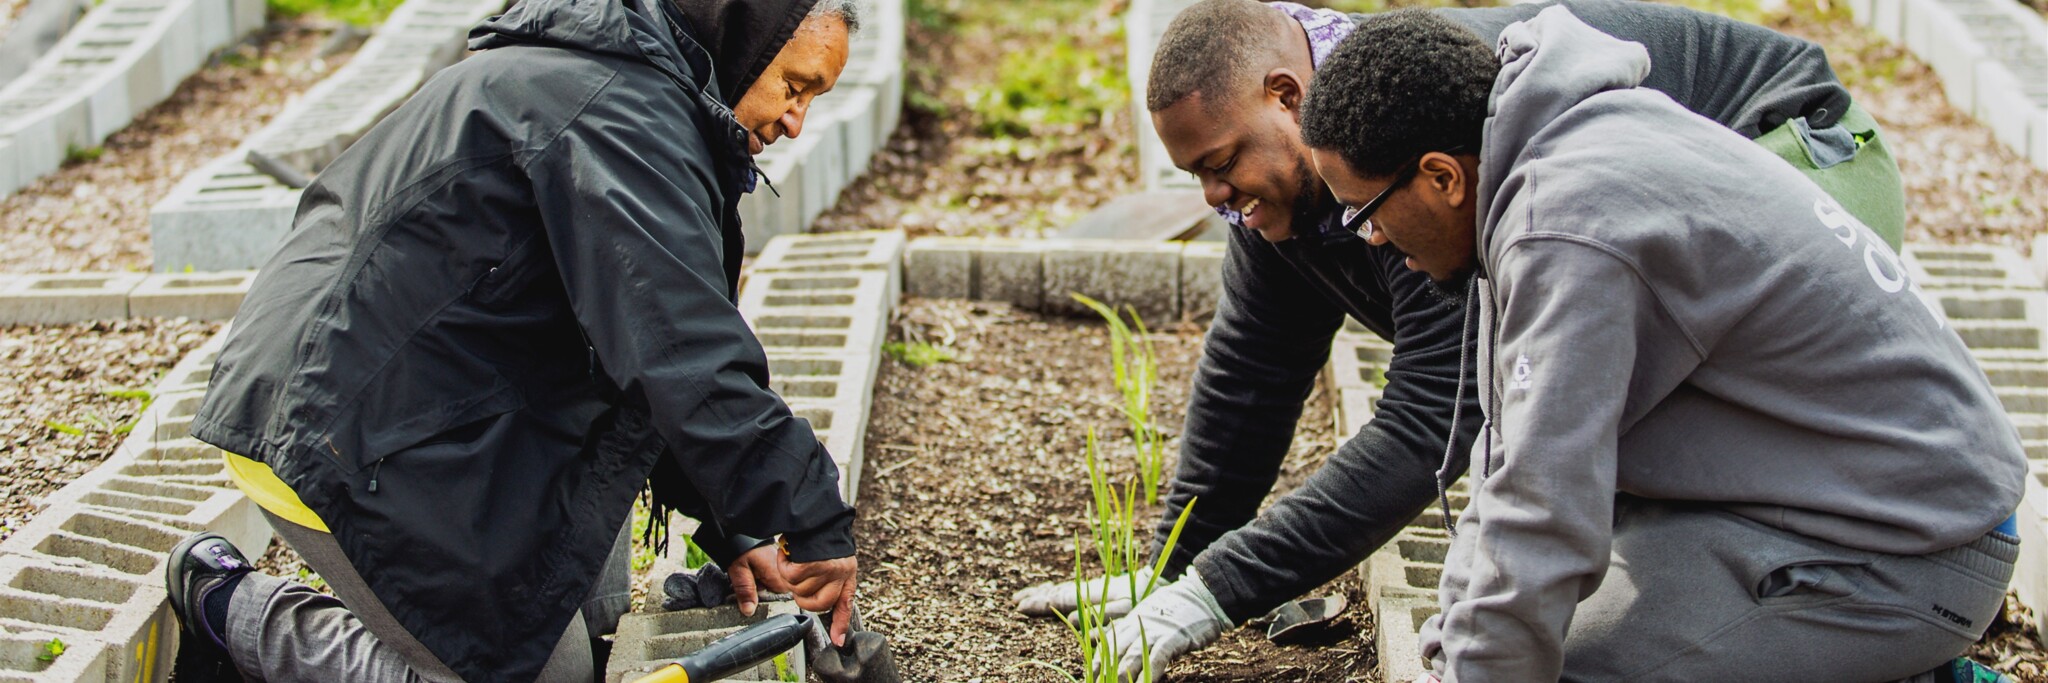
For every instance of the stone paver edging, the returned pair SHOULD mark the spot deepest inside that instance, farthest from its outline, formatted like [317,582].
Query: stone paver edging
[1143,26]
[79,297]
[123,58]
[1992,56]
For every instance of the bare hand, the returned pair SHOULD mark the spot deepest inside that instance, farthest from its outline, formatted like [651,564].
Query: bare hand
[823,585]
[759,565]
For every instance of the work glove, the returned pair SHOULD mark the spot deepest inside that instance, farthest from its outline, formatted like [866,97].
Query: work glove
[1179,618]
[1057,598]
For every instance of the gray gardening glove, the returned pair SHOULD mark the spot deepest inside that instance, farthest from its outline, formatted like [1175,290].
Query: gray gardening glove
[1057,598]
[1179,618]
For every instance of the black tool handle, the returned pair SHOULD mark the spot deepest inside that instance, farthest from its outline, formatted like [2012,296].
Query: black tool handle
[748,648]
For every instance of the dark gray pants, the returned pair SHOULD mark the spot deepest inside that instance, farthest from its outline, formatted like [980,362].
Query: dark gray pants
[1698,594]
[283,631]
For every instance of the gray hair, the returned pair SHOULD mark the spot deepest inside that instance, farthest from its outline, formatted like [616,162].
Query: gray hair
[847,11]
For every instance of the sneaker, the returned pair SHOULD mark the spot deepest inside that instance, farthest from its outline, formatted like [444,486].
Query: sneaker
[1965,670]
[198,565]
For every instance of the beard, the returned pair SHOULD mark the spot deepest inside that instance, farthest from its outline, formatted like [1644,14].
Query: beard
[1313,203]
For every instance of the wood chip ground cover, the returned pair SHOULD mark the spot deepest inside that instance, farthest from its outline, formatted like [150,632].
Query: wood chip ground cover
[69,388]
[974,487]
[93,215]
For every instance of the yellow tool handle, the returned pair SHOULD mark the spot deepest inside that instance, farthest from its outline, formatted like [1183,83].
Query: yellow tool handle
[672,673]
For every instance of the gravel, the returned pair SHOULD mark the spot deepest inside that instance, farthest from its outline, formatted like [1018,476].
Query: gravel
[62,375]
[94,215]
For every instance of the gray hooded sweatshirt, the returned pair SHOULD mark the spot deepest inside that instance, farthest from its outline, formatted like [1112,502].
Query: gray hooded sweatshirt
[1671,312]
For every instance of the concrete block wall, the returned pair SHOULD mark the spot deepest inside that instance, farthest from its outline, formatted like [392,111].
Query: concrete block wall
[650,640]
[78,297]
[124,57]
[1143,26]
[1992,57]
[89,569]
[1164,281]
[821,306]
[841,133]
[228,216]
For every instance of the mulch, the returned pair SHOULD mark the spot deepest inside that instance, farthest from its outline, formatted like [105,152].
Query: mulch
[59,380]
[94,215]
[974,486]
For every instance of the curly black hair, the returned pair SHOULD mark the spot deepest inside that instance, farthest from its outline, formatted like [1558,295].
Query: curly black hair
[1404,84]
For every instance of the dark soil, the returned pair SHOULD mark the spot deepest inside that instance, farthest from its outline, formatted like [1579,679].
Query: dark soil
[974,486]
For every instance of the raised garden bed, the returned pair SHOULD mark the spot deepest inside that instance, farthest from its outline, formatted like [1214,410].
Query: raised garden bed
[71,390]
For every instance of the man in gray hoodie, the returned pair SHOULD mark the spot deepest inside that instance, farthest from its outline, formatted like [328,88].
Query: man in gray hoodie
[1694,465]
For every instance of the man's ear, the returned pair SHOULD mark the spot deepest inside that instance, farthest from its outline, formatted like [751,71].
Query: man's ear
[1287,87]
[1444,177]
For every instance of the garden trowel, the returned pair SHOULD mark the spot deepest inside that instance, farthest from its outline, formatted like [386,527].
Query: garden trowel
[864,658]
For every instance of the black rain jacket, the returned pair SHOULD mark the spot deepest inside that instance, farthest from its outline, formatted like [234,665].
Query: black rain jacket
[510,305]
[1283,303]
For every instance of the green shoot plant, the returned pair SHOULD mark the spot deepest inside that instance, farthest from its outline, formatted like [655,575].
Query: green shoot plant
[51,650]
[1113,530]
[1135,365]
[917,354]
[783,672]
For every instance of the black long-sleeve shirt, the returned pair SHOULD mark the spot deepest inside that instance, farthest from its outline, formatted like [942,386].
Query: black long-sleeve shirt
[1283,303]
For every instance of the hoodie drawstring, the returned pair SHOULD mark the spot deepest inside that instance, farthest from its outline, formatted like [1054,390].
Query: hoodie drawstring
[1443,472]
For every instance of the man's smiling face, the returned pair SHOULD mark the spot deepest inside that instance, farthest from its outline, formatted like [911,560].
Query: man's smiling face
[1248,156]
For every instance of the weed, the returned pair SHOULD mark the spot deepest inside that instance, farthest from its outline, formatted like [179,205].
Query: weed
[917,354]
[782,670]
[51,650]
[693,556]
[63,427]
[1136,368]
[357,12]
[1063,84]
[74,154]
[311,579]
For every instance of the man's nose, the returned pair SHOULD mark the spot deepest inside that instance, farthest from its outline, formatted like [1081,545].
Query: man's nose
[793,120]
[1215,191]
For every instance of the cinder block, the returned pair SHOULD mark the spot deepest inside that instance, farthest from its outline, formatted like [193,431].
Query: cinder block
[2037,139]
[1201,279]
[874,250]
[209,296]
[842,425]
[1143,275]
[2001,104]
[775,207]
[224,217]
[65,298]
[775,293]
[1399,638]
[1888,19]
[1999,334]
[649,641]
[941,267]
[21,659]
[1940,39]
[822,149]
[1011,271]
[1967,267]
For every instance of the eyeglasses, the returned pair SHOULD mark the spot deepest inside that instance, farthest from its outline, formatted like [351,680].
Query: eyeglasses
[1358,219]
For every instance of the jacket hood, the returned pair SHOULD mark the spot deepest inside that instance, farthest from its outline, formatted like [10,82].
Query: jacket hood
[632,29]
[743,36]
[1549,64]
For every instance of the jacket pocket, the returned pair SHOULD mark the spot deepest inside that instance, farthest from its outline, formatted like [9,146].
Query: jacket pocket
[444,423]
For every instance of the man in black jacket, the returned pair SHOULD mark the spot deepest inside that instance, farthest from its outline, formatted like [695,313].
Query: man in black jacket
[498,317]
[1225,91]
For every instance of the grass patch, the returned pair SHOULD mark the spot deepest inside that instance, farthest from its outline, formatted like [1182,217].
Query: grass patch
[357,12]
[1063,84]
[51,650]
[918,354]
[74,154]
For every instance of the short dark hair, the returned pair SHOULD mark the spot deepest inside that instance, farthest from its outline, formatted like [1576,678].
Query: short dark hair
[1404,84]
[1212,46]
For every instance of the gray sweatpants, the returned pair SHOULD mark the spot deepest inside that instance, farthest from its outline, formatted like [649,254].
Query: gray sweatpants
[283,631]
[1695,593]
